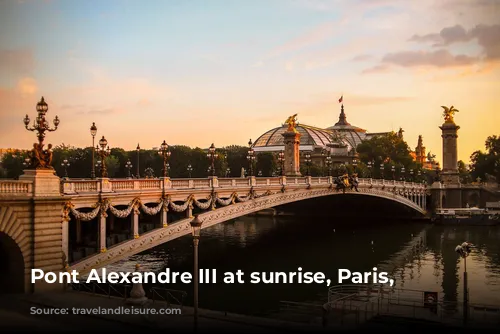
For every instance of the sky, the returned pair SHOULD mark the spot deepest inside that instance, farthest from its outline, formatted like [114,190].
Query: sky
[193,72]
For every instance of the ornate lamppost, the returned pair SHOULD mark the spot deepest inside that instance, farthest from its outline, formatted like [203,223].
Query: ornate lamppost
[212,155]
[129,166]
[382,170]
[189,170]
[403,171]
[93,132]
[138,150]
[228,171]
[281,160]
[411,175]
[165,153]
[26,162]
[40,158]
[464,250]
[419,176]
[329,165]
[354,165]
[196,231]
[103,152]
[65,164]
[308,162]
[393,170]
[250,157]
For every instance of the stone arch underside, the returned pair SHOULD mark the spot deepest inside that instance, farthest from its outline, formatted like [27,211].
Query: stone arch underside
[182,227]
[14,252]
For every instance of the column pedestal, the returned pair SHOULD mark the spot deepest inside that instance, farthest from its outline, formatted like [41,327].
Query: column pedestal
[292,157]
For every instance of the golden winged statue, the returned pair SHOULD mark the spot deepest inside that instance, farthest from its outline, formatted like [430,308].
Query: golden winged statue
[448,113]
[292,123]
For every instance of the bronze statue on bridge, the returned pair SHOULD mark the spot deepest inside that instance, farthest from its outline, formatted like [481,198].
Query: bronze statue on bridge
[292,123]
[448,113]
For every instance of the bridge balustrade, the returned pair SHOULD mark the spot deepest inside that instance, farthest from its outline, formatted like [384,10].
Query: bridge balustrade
[86,186]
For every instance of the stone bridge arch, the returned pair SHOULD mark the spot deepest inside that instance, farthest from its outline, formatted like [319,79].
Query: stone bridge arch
[222,214]
[15,253]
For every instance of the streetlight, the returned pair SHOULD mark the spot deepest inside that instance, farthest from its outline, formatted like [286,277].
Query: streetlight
[65,164]
[419,175]
[212,155]
[260,173]
[129,166]
[196,231]
[403,174]
[369,165]
[329,165]
[393,170]
[41,158]
[308,162]
[228,171]
[103,152]
[382,170]
[93,132]
[354,165]
[190,170]
[281,160]
[163,151]
[411,175]
[26,162]
[464,250]
[250,157]
[138,150]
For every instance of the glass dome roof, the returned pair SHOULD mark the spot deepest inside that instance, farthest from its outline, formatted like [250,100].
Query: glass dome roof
[309,136]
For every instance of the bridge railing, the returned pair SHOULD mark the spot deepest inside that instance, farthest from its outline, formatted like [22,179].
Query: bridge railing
[364,301]
[16,188]
[88,186]
[117,290]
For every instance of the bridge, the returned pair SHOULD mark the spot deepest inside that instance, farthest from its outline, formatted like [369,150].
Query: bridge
[37,213]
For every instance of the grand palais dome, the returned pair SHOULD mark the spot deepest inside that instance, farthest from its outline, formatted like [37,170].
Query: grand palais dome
[341,136]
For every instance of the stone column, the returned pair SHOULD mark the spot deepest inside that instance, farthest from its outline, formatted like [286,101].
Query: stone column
[46,242]
[135,222]
[164,217]
[292,157]
[101,241]
[437,195]
[449,134]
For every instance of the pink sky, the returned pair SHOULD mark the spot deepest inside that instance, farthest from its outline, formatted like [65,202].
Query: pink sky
[227,72]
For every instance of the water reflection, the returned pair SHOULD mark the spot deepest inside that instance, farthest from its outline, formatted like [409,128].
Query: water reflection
[420,257]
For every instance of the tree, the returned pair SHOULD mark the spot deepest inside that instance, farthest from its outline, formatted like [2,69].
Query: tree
[463,172]
[266,163]
[389,150]
[487,163]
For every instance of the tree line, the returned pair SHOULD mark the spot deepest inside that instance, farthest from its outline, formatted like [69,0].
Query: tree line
[389,150]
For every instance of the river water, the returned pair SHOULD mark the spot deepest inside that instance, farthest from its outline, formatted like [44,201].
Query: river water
[418,256]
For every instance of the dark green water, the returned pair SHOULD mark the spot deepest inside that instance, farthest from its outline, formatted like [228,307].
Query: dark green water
[326,244]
